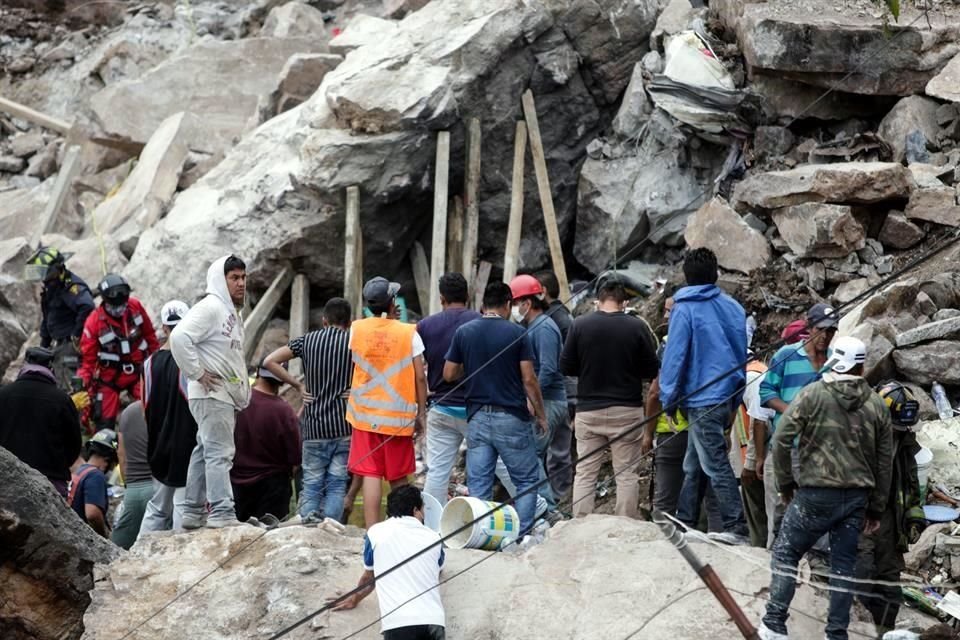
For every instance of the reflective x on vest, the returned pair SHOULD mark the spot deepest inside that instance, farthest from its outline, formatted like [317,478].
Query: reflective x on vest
[75,481]
[743,423]
[382,400]
[114,347]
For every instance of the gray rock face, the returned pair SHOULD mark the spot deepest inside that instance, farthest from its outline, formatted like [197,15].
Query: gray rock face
[820,44]
[635,108]
[940,330]
[308,565]
[220,82]
[840,183]
[819,230]
[280,193]
[913,113]
[926,363]
[791,99]
[298,80]
[294,20]
[738,246]
[946,84]
[899,233]
[934,204]
[47,555]
[363,30]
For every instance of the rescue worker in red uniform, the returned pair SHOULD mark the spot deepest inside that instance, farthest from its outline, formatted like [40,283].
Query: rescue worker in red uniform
[117,338]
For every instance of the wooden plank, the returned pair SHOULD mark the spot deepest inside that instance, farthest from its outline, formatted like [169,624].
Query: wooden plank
[61,188]
[471,195]
[480,283]
[421,275]
[299,316]
[546,197]
[438,252]
[26,113]
[256,322]
[353,254]
[511,252]
[455,236]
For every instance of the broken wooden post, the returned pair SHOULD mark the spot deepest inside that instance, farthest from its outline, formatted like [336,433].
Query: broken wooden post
[455,235]
[480,282]
[353,254]
[438,252]
[511,252]
[421,275]
[256,322]
[69,168]
[546,197]
[471,194]
[299,315]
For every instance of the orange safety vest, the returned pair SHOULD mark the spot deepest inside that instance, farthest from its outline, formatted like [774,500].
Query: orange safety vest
[743,422]
[383,396]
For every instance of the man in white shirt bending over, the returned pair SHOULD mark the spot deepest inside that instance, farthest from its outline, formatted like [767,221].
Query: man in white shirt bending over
[410,606]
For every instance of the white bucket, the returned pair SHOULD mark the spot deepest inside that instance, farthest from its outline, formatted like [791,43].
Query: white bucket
[489,533]
[432,512]
[924,459]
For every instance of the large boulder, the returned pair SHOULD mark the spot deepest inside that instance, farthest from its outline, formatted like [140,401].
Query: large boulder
[913,113]
[934,204]
[840,183]
[293,20]
[299,79]
[946,84]
[220,82]
[899,233]
[291,571]
[937,361]
[47,557]
[361,31]
[824,43]
[820,230]
[737,245]
[939,330]
[279,195]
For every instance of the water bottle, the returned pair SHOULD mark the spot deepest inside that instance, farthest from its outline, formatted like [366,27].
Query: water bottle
[940,399]
[751,328]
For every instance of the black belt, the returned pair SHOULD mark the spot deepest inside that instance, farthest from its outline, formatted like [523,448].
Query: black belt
[495,408]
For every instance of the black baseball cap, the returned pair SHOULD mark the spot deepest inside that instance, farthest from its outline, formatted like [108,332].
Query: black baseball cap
[822,316]
[379,291]
[39,356]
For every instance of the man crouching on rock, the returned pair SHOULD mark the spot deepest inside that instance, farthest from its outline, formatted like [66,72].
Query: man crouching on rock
[843,434]
[208,347]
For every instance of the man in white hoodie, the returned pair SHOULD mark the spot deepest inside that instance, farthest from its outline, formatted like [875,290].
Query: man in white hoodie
[208,347]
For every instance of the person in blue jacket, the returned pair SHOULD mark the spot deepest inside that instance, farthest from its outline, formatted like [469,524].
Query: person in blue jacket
[703,376]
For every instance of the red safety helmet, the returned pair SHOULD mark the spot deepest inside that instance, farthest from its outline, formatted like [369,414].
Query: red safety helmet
[524,286]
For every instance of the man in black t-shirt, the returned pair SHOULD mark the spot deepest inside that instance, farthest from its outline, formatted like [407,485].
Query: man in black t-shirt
[612,353]
[171,428]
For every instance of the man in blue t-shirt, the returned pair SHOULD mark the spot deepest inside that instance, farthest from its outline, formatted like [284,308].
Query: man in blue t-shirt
[88,485]
[447,418]
[496,357]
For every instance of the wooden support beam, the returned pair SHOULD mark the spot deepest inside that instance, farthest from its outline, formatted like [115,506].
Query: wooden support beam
[511,252]
[61,188]
[471,195]
[353,254]
[256,322]
[546,197]
[480,282]
[299,315]
[455,236]
[438,252]
[421,275]
[24,112]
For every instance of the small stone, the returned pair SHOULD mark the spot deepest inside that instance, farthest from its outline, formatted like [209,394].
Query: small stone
[769,142]
[916,147]
[947,113]
[44,164]
[899,233]
[945,314]
[21,65]
[884,266]
[816,276]
[11,164]
[867,270]
[925,304]
[755,222]
[872,250]
[847,291]
[850,264]
[24,145]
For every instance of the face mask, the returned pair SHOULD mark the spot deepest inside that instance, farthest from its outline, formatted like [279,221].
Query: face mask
[115,310]
[515,313]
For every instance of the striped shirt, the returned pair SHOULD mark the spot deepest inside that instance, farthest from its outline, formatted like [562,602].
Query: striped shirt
[790,371]
[328,369]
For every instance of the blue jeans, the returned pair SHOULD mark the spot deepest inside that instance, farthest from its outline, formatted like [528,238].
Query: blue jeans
[814,512]
[324,477]
[444,435]
[490,435]
[706,464]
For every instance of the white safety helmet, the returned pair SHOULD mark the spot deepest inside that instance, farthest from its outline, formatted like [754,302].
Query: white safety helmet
[173,312]
[848,352]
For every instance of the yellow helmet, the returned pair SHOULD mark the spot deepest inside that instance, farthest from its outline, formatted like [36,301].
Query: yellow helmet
[45,263]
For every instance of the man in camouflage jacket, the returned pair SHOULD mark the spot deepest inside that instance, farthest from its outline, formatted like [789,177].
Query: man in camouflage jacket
[843,435]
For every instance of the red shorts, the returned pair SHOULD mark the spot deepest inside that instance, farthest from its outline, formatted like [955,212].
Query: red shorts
[379,456]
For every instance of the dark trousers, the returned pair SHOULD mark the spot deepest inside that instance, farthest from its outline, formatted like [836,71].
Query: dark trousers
[814,512]
[269,495]
[417,632]
[755,511]
[668,480]
[879,559]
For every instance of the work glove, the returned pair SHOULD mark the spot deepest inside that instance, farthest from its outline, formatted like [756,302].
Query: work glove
[81,400]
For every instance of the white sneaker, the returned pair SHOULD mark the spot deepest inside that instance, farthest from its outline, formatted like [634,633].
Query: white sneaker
[220,524]
[192,522]
[730,538]
[767,634]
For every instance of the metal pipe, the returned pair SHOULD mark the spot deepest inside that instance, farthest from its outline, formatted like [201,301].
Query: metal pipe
[706,574]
